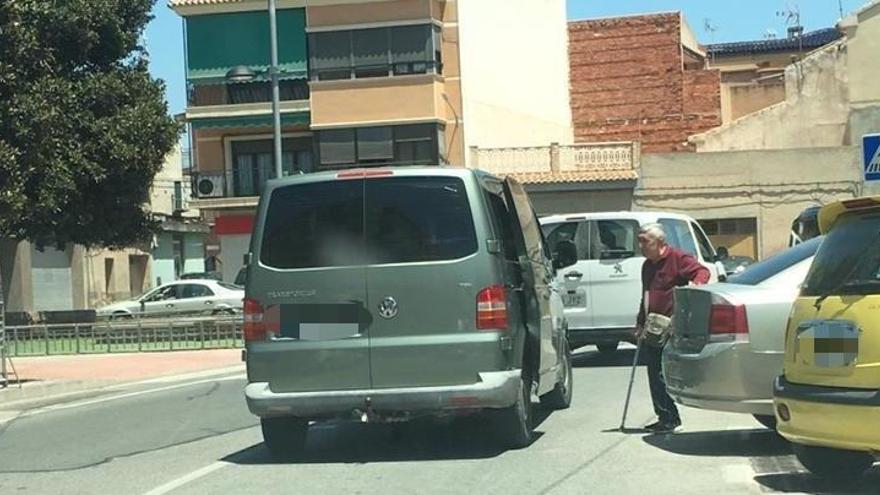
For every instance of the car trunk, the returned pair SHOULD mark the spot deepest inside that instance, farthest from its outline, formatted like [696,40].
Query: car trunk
[691,319]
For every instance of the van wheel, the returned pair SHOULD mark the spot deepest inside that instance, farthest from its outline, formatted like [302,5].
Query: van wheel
[514,424]
[769,422]
[284,437]
[560,396]
[833,463]
[607,348]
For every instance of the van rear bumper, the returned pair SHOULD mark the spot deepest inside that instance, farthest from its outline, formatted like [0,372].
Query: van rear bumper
[495,389]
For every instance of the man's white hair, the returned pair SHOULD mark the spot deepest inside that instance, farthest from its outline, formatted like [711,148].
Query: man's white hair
[653,231]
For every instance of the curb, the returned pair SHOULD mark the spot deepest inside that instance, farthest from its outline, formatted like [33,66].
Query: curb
[50,393]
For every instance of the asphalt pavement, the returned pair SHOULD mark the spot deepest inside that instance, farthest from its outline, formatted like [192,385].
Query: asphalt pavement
[195,435]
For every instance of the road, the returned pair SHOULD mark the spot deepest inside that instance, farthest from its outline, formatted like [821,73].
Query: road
[198,438]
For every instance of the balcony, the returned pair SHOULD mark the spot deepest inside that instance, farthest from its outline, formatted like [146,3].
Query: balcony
[555,164]
[243,93]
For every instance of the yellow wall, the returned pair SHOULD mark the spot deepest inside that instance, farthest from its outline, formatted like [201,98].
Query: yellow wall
[341,15]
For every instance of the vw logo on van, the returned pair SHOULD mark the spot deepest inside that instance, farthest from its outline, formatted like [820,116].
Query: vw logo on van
[388,308]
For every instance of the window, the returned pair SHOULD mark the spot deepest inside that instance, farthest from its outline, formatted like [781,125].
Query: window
[188,291]
[678,235]
[848,261]
[418,219]
[705,246]
[405,144]
[613,239]
[565,231]
[764,270]
[337,147]
[375,144]
[162,294]
[408,219]
[253,162]
[375,52]
[729,226]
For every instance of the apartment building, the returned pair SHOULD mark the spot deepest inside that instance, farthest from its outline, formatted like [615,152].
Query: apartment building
[363,83]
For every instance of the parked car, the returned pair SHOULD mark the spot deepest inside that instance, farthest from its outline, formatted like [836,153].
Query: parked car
[178,298]
[733,264]
[828,396]
[202,275]
[601,292]
[389,294]
[727,341]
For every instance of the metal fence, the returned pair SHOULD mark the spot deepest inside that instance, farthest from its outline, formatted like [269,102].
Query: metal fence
[137,335]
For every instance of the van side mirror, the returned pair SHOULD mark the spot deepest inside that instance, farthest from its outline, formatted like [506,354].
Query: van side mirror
[566,255]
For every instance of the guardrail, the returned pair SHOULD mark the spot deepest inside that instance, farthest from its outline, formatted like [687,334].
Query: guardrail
[135,335]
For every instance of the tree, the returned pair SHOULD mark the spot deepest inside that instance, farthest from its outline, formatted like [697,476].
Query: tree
[83,126]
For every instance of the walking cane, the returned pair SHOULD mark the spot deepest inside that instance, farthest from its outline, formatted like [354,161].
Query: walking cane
[632,376]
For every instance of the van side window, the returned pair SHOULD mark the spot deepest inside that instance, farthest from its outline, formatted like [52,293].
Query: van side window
[678,235]
[613,239]
[502,221]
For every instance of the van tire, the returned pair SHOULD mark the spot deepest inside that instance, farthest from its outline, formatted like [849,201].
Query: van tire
[833,463]
[607,348]
[284,437]
[560,396]
[769,422]
[513,424]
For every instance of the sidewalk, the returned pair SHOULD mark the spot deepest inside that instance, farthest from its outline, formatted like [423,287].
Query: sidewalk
[59,378]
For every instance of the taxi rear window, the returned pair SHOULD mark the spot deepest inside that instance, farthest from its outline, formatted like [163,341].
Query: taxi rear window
[848,262]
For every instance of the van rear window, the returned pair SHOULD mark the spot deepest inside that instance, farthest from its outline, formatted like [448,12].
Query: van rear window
[377,221]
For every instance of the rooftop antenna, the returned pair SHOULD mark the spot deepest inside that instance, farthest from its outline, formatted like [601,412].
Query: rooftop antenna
[840,6]
[710,29]
[792,15]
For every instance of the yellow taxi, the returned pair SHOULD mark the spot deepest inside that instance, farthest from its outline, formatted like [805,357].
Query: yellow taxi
[827,400]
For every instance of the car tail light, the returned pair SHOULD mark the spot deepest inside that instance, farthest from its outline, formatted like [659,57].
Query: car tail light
[254,327]
[727,320]
[492,308]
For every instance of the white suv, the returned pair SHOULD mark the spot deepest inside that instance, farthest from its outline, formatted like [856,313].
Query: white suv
[601,292]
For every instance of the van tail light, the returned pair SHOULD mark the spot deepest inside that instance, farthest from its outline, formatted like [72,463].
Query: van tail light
[727,321]
[254,329]
[492,308]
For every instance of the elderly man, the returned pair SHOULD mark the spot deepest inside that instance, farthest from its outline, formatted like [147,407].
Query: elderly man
[665,268]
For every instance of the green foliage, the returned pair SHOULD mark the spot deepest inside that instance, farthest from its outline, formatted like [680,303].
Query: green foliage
[83,126]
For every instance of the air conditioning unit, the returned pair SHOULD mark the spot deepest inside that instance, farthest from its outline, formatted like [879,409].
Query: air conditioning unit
[209,186]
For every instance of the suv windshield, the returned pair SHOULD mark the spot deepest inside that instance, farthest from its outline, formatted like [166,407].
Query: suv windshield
[408,219]
[849,260]
[759,272]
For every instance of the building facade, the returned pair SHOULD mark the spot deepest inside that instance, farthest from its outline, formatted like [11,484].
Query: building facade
[641,78]
[363,83]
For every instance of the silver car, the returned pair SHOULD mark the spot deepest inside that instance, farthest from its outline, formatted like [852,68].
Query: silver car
[177,298]
[728,337]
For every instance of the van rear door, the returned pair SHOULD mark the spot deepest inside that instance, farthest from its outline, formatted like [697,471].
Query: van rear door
[426,269]
[309,278]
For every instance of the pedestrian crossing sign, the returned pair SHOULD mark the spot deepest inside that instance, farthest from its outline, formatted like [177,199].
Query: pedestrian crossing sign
[871,149]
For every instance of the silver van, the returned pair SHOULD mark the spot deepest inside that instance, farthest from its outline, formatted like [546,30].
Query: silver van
[389,294]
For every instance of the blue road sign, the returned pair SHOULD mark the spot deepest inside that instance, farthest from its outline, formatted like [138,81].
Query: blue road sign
[871,151]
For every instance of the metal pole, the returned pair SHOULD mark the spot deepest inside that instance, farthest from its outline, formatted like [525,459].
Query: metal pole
[276,96]
[632,376]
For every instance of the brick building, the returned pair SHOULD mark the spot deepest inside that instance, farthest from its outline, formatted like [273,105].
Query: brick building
[641,78]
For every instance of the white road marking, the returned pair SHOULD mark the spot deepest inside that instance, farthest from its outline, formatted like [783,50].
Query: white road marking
[177,483]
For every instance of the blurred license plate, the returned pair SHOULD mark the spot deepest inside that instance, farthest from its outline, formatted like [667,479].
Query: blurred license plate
[571,300]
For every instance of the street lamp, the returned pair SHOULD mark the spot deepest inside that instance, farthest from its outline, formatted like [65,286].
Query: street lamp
[241,73]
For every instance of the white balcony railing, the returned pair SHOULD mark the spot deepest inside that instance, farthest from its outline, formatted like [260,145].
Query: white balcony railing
[557,158]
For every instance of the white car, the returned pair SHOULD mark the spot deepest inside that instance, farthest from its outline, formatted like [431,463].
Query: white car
[180,297]
[601,292]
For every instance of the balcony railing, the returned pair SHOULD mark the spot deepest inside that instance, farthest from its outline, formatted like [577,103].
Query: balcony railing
[251,92]
[587,157]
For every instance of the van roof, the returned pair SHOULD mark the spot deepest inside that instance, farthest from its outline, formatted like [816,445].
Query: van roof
[426,171]
[829,213]
[643,217]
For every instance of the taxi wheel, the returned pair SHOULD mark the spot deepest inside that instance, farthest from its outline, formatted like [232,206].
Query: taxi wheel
[833,463]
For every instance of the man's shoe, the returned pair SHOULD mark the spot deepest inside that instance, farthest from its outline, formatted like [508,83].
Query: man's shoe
[660,427]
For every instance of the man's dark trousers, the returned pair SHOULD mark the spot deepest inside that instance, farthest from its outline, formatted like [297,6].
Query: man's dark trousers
[664,406]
